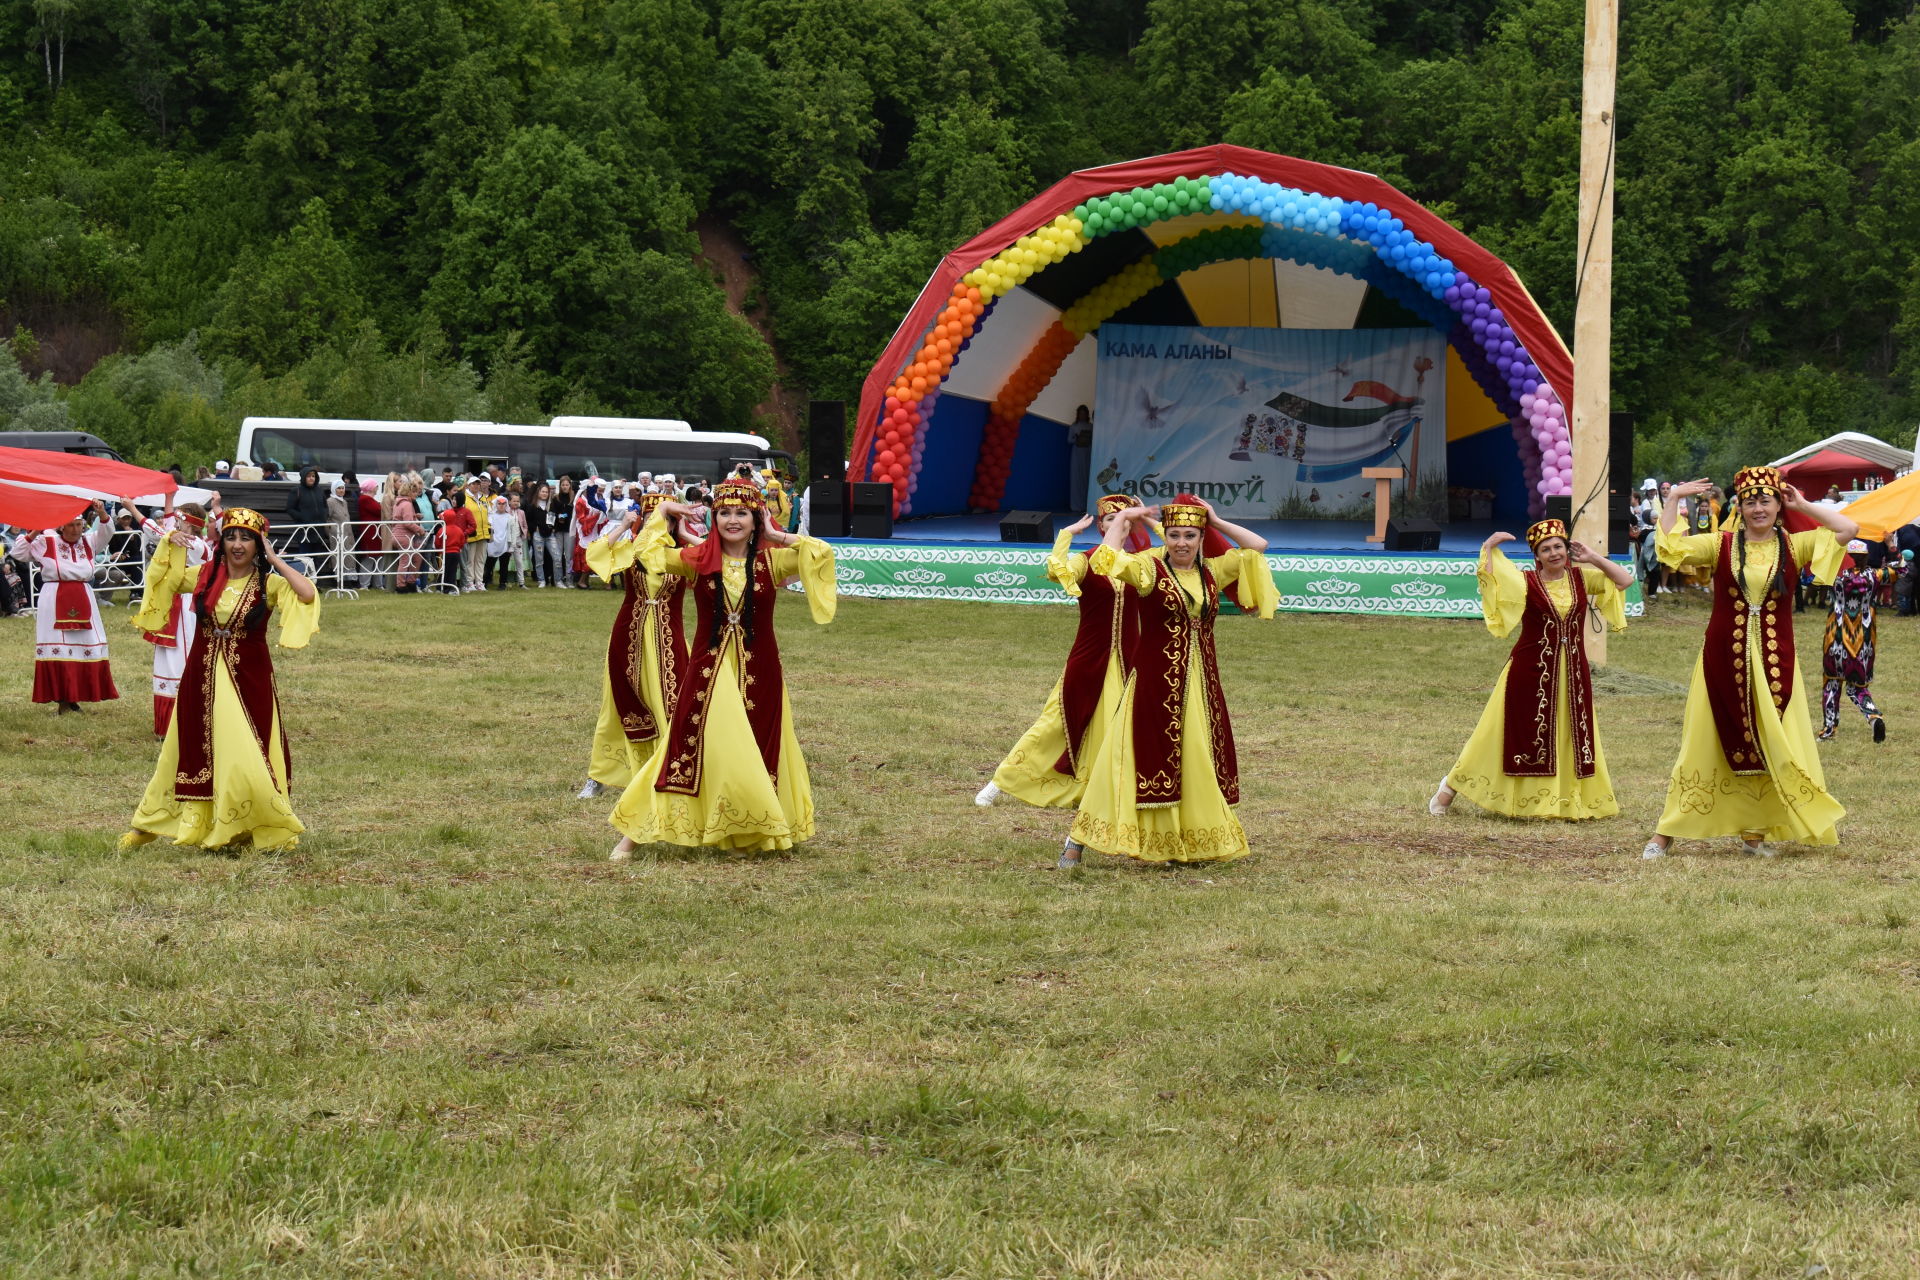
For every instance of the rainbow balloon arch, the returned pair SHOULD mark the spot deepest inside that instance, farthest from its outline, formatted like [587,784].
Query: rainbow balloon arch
[1275,207]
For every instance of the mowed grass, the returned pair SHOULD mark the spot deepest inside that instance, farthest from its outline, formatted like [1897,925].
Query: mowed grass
[446,1038]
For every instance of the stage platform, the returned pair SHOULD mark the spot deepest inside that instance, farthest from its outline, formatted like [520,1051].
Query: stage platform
[1313,536]
[1320,566]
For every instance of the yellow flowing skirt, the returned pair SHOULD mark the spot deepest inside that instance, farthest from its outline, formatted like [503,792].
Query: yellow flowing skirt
[1477,773]
[1201,828]
[1788,802]
[738,808]
[615,760]
[1028,773]
[249,791]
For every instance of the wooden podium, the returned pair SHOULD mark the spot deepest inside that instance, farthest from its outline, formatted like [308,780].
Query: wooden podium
[1383,478]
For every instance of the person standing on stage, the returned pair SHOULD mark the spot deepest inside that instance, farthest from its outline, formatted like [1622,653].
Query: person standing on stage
[224,772]
[1536,751]
[168,626]
[1852,636]
[646,656]
[1048,765]
[1748,765]
[69,643]
[729,771]
[1165,782]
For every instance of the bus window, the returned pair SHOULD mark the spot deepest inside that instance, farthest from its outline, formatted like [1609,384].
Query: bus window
[610,458]
[299,448]
[388,451]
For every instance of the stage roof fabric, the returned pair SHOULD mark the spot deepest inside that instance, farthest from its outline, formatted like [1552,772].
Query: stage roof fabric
[1214,236]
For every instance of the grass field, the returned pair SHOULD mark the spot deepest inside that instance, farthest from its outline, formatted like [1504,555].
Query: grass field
[447,1038]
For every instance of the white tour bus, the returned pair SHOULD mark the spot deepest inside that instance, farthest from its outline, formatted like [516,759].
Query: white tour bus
[618,448]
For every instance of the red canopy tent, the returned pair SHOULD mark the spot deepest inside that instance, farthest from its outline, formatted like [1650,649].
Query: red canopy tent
[1815,473]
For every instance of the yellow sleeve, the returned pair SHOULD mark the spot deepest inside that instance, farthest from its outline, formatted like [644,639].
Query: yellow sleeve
[168,575]
[1687,550]
[1820,551]
[811,561]
[1257,595]
[1503,592]
[1065,566]
[1610,600]
[654,547]
[298,621]
[606,556]
[1137,571]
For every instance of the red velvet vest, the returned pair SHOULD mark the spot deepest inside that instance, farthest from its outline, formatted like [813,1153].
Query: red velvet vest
[761,686]
[1109,627]
[1170,643]
[243,651]
[1728,664]
[1530,729]
[627,650]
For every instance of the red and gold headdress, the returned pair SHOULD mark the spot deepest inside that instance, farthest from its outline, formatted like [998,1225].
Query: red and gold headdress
[649,503]
[1138,538]
[1542,530]
[244,518]
[1760,479]
[738,493]
[1183,513]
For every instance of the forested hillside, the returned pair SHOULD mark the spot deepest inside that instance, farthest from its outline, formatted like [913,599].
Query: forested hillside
[486,208]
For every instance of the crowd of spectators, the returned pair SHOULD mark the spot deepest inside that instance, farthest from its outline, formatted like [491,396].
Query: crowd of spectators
[412,531]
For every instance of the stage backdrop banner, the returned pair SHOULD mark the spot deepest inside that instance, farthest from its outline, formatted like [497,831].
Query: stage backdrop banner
[1270,423]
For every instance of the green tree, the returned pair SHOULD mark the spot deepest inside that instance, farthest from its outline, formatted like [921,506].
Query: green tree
[279,305]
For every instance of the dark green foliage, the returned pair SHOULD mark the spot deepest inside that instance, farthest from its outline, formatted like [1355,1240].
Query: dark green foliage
[487,206]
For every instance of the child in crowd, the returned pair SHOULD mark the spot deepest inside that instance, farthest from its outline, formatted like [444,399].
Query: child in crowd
[517,526]
[457,525]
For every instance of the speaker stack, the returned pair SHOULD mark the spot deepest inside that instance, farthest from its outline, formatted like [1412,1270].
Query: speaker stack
[827,502]
[1621,492]
[1027,526]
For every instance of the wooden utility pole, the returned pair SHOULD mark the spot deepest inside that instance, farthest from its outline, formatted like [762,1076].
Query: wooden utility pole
[1593,308]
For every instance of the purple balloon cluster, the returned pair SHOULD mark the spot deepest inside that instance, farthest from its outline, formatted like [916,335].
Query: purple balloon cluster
[1538,418]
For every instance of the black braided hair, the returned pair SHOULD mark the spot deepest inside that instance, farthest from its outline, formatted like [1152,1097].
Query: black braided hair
[1779,583]
[714,632]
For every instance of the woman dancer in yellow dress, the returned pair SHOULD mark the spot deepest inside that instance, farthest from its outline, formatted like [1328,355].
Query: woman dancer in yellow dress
[1536,751]
[223,774]
[1165,781]
[1748,765]
[729,773]
[646,655]
[1048,765]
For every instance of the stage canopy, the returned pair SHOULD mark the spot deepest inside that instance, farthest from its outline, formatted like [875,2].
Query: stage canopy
[966,408]
[1815,473]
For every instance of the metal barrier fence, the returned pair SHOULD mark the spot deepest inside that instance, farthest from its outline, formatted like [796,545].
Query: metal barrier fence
[345,558]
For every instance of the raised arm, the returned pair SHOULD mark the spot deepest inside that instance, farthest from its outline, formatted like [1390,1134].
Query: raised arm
[1820,513]
[1670,514]
[1618,574]
[1239,535]
[302,588]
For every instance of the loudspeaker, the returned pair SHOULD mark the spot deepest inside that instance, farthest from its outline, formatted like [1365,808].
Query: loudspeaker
[827,509]
[1560,507]
[871,511]
[1412,535]
[826,440]
[1027,526]
[1621,492]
